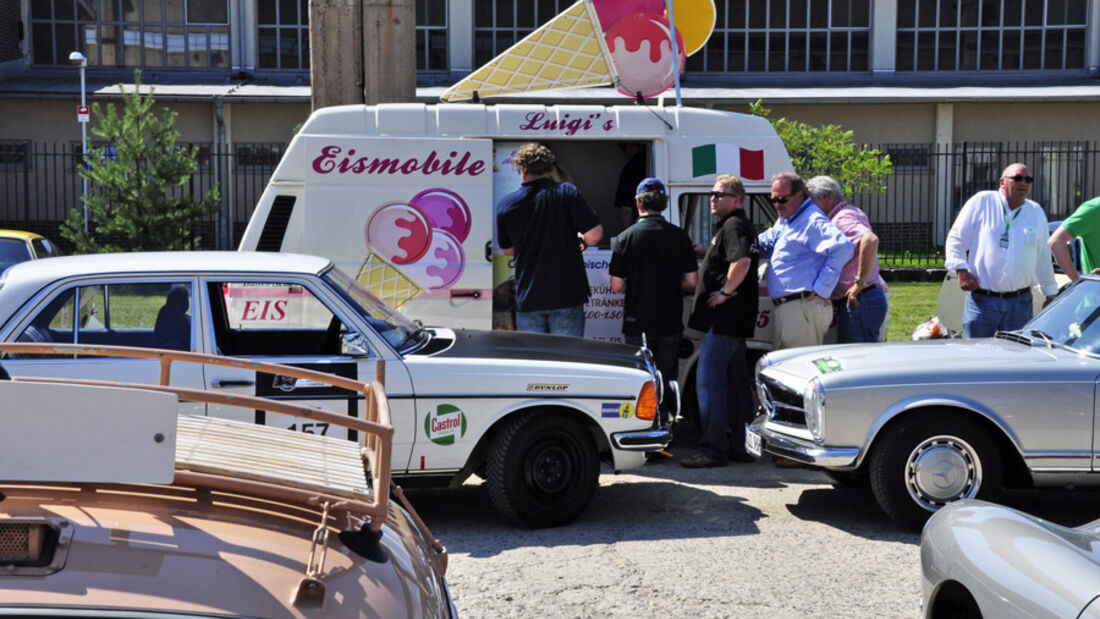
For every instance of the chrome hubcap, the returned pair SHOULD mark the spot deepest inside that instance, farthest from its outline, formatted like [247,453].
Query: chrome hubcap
[942,469]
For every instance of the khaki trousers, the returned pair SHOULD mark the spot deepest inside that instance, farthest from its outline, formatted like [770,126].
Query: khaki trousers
[802,322]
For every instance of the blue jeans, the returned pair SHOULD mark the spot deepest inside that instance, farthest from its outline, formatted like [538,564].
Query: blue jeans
[666,354]
[564,321]
[984,315]
[861,323]
[725,402]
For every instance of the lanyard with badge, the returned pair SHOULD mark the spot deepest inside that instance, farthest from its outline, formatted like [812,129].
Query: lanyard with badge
[1008,220]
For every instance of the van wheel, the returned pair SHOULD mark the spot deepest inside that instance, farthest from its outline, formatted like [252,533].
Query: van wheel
[928,461]
[542,469]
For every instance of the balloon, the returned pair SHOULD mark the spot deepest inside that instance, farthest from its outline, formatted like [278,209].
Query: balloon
[398,232]
[694,21]
[642,54]
[446,210]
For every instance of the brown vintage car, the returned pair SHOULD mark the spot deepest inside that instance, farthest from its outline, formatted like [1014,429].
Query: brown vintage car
[112,504]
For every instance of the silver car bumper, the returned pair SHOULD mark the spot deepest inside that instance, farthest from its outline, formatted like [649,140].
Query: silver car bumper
[801,450]
[652,439]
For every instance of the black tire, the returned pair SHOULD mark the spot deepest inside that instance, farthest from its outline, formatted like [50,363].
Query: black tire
[927,461]
[850,479]
[542,470]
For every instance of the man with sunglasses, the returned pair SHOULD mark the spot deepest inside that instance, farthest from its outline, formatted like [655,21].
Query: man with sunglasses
[806,254]
[998,246]
[725,311]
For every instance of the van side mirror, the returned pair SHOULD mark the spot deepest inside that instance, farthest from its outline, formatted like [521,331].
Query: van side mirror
[352,344]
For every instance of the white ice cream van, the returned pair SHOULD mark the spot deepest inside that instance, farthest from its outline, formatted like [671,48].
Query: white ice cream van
[401,196]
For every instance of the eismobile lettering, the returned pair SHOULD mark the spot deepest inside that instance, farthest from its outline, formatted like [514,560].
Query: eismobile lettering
[333,160]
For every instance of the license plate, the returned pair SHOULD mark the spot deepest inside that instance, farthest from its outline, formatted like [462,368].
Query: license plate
[754,444]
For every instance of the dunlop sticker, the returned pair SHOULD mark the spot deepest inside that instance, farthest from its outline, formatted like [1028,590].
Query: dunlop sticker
[547,387]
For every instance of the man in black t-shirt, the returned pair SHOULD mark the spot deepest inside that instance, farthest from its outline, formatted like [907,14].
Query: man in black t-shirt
[726,301]
[653,262]
[545,225]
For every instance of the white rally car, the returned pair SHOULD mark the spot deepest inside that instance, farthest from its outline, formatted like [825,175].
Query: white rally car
[533,415]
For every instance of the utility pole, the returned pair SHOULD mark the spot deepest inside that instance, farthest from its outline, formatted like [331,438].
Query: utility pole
[362,51]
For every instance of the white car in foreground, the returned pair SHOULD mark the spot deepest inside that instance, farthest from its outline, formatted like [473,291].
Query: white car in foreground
[533,415]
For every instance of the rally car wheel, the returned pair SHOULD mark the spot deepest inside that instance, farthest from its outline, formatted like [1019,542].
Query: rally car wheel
[542,469]
[928,461]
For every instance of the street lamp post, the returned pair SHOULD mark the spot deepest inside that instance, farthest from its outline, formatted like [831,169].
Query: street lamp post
[77,59]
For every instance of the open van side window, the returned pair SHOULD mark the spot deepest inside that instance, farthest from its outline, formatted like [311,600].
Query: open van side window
[695,217]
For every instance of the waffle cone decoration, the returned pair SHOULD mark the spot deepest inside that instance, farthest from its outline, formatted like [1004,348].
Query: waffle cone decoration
[385,281]
[569,51]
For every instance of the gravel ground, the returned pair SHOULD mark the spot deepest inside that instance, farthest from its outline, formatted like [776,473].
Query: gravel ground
[747,540]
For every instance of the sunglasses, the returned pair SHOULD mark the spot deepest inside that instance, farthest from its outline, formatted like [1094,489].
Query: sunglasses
[718,195]
[780,199]
[1020,178]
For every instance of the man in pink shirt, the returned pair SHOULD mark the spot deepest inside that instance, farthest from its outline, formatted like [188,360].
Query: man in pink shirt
[859,299]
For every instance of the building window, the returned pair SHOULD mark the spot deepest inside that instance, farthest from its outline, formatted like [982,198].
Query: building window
[909,158]
[991,35]
[431,35]
[787,36]
[128,33]
[499,24]
[15,155]
[259,156]
[283,34]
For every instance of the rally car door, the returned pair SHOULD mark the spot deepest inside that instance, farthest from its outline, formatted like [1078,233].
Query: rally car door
[288,321]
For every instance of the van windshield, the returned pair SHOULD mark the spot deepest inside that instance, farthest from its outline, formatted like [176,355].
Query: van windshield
[393,326]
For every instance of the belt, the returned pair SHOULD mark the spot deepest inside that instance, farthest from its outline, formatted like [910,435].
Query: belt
[791,297]
[1011,294]
[844,299]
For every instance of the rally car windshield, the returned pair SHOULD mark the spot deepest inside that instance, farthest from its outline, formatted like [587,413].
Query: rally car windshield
[398,330]
[1073,320]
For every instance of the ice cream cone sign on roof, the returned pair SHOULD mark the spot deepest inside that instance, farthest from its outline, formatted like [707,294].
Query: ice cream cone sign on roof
[626,43]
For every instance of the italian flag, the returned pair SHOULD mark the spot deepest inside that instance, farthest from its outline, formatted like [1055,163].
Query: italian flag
[727,159]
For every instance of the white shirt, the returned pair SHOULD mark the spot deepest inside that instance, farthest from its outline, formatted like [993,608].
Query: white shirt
[974,244]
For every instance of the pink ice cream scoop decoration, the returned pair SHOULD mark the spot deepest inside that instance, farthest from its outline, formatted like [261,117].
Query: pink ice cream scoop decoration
[641,49]
[423,236]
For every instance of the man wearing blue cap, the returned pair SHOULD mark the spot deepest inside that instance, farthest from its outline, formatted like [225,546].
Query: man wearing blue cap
[653,262]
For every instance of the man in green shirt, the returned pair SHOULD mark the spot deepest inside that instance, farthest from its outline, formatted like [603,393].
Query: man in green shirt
[1084,223]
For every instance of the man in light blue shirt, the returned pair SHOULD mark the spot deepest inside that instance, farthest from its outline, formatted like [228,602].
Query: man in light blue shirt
[806,253]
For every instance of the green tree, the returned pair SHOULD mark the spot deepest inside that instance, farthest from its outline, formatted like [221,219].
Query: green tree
[134,202]
[829,149]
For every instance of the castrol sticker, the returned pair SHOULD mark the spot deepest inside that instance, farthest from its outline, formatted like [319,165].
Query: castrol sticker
[445,425]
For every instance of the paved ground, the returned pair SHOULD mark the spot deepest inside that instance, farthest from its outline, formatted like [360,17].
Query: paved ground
[742,541]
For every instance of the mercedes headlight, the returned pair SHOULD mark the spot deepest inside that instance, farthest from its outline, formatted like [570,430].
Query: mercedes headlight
[813,403]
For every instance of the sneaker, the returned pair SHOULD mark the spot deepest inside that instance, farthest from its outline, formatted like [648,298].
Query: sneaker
[701,461]
[745,458]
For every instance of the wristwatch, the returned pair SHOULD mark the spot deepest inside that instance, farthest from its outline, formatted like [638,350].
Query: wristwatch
[722,292]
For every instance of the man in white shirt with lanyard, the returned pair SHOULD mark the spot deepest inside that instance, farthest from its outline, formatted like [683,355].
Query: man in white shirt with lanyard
[998,246]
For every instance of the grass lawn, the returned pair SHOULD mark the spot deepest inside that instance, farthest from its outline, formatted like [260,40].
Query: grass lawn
[911,303]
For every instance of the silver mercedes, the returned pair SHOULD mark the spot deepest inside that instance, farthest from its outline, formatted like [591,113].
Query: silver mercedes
[930,422]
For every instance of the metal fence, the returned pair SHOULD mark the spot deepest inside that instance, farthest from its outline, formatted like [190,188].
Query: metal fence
[39,186]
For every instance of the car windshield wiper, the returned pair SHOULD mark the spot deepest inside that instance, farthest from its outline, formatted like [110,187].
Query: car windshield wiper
[1043,336]
[413,336]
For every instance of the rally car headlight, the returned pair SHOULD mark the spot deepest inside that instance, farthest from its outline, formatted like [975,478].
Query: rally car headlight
[813,403]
